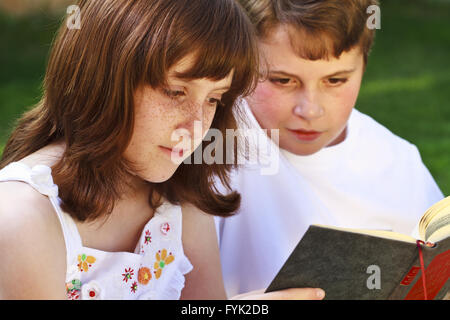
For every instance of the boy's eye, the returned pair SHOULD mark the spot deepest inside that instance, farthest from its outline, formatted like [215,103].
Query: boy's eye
[281,81]
[336,81]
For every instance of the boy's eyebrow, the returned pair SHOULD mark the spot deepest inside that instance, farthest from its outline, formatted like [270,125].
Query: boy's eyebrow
[328,76]
[283,73]
[340,72]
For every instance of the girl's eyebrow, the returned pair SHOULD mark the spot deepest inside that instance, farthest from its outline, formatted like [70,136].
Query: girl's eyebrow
[224,88]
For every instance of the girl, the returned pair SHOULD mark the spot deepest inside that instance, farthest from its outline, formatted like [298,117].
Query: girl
[99,146]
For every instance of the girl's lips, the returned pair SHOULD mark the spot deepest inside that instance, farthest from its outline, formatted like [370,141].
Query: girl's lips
[169,151]
[305,135]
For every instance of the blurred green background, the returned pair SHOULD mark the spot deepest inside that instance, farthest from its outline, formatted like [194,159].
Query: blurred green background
[406,86]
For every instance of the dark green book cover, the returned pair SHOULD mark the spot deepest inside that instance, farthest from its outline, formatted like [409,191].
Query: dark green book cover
[355,266]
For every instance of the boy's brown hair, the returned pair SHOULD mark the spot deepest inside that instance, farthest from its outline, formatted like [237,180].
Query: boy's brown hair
[319,28]
[88,104]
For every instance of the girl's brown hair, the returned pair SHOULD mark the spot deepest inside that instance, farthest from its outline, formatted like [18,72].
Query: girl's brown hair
[327,27]
[90,81]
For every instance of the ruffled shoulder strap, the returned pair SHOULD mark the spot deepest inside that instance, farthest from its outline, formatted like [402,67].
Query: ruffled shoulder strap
[174,214]
[40,178]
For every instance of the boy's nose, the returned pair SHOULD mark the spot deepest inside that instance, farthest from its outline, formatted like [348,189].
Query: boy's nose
[308,108]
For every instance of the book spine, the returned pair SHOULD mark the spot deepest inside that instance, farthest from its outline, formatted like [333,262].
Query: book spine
[408,280]
[437,273]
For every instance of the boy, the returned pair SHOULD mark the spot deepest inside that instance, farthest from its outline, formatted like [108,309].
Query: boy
[337,166]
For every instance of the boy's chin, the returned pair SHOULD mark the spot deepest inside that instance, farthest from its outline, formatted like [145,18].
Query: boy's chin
[303,150]
[307,149]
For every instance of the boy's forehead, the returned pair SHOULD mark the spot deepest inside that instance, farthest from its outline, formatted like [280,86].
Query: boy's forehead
[283,50]
[307,45]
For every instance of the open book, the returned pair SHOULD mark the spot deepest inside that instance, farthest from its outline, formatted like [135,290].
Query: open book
[371,264]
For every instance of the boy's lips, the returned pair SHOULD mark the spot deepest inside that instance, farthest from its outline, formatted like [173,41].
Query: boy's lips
[305,135]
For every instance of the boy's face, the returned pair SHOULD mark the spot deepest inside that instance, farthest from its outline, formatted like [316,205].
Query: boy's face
[308,101]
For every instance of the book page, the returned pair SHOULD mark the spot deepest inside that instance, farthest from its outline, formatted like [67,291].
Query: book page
[376,233]
[435,223]
[433,226]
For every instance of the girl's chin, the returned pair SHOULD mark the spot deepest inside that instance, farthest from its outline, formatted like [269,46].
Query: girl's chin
[159,176]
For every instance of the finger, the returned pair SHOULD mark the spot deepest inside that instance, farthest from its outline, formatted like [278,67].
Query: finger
[287,294]
[296,294]
[243,296]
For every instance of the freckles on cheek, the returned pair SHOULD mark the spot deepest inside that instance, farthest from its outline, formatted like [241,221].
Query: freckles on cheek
[207,122]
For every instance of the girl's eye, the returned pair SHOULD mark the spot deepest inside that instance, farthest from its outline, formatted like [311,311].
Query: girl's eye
[215,102]
[174,93]
[336,81]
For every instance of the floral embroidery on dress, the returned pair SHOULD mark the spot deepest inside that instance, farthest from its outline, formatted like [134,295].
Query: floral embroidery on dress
[85,262]
[128,275]
[165,228]
[93,294]
[91,291]
[144,275]
[162,259]
[134,287]
[148,237]
[73,289]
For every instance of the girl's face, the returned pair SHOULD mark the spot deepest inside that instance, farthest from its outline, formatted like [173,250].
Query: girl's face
[308,101]
[165,119]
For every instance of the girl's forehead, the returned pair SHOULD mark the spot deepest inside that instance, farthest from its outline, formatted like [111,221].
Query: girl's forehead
[183,65]
[221,85]
[186,64]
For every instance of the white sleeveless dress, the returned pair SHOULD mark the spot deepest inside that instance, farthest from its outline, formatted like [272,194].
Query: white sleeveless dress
[155,270]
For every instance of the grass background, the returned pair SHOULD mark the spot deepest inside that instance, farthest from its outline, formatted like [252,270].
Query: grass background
[406,86]
[407,83]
